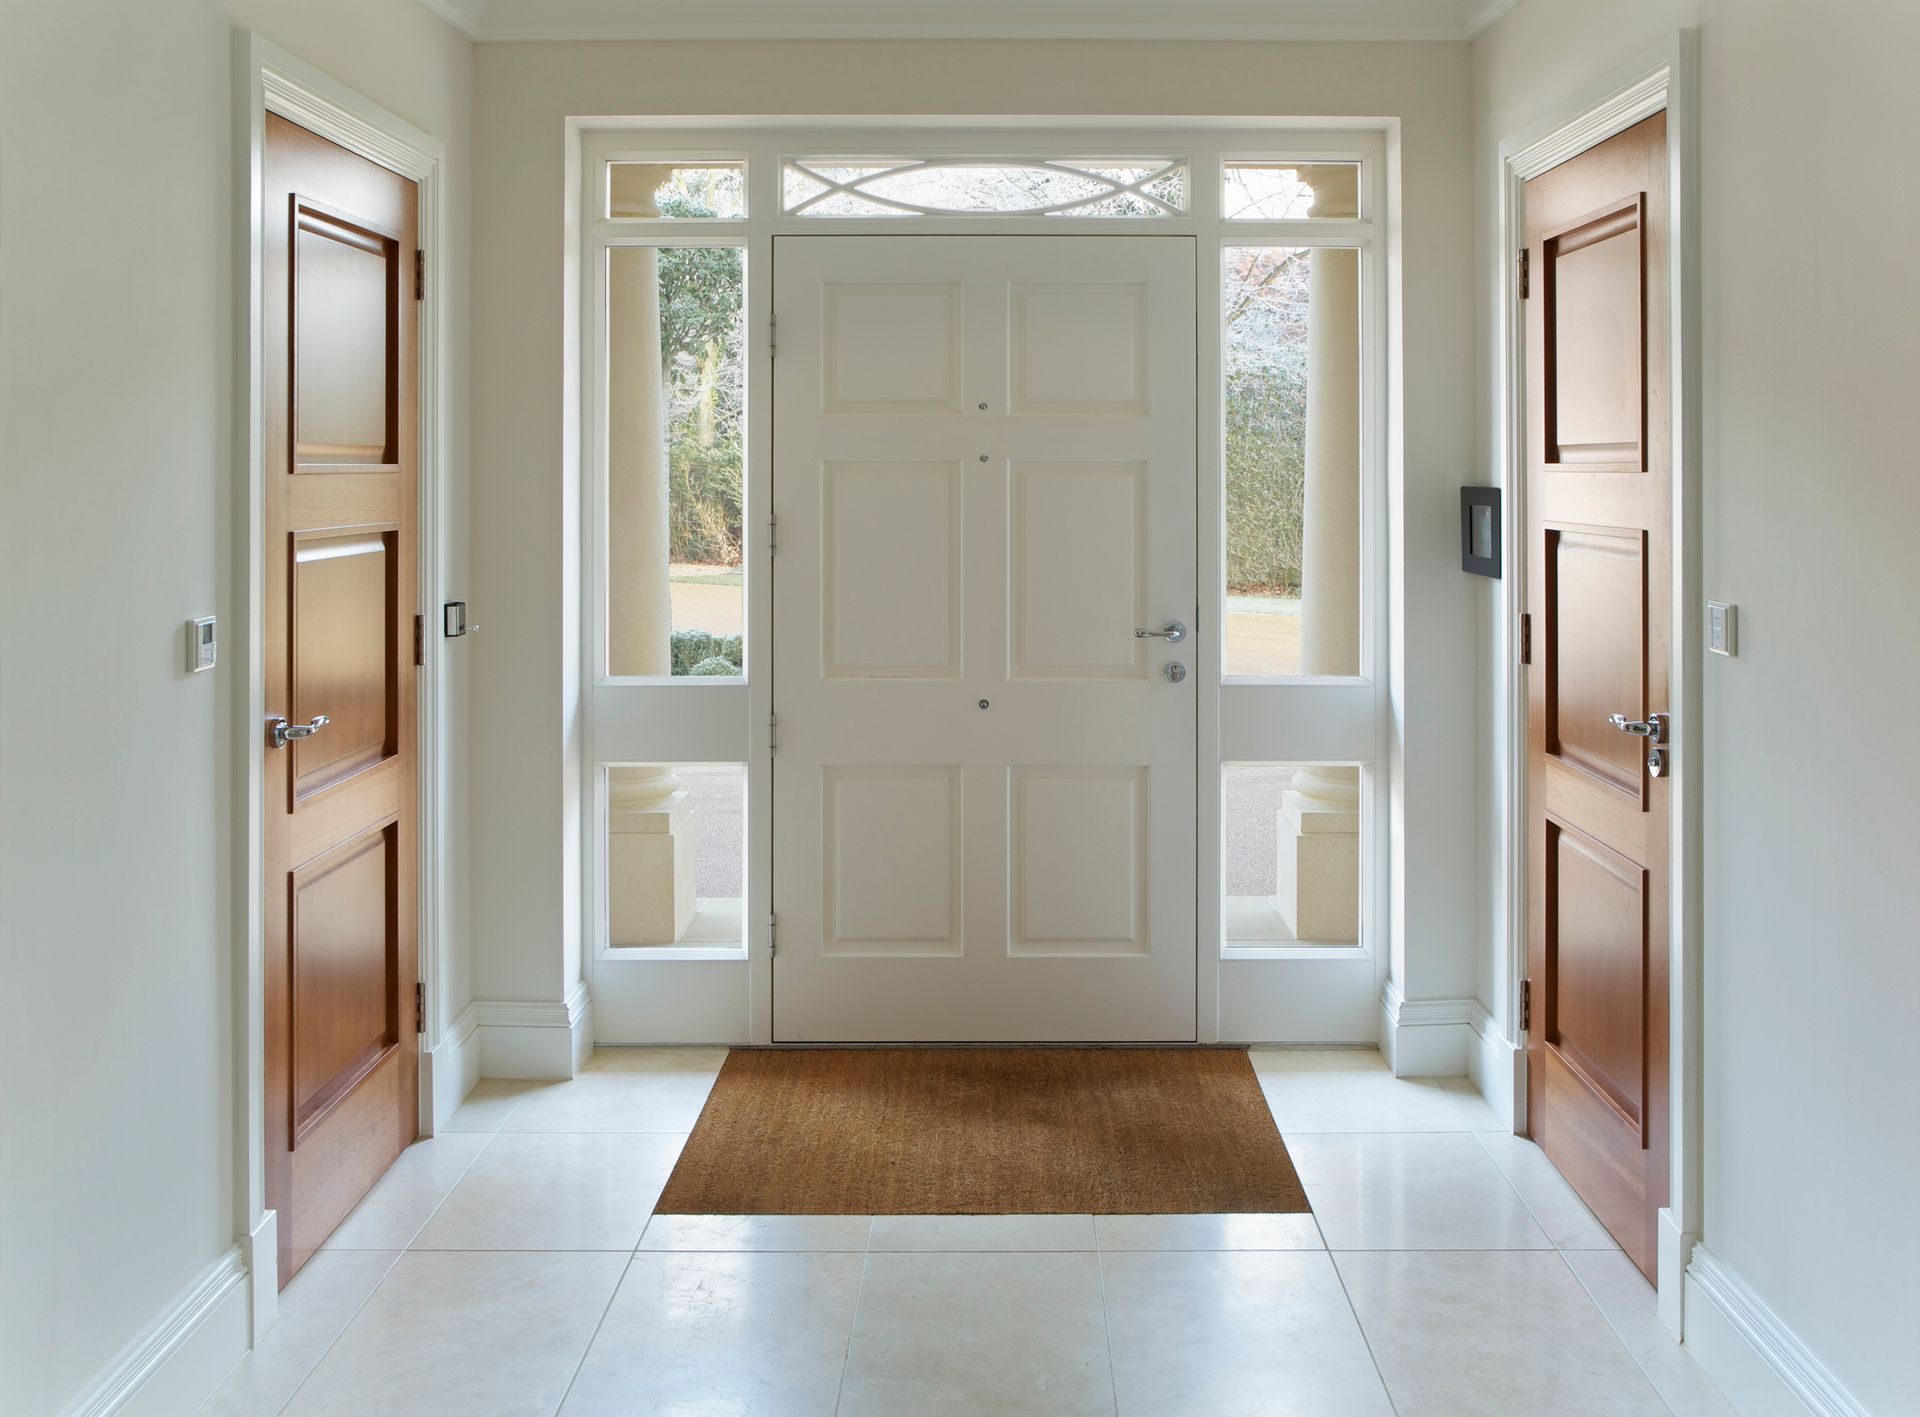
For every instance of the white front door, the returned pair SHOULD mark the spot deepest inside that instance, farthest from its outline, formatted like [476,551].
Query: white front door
[984,781]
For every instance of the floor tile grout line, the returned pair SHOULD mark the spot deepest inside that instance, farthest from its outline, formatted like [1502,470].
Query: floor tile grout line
[1366,1341]
[599,1324]
[853,1320]
[1531,1212]
[1594,1299]
[321,1357]
[1106,1323]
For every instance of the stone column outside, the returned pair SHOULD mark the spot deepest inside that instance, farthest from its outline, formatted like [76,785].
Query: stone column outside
[1319,826]
[650,845]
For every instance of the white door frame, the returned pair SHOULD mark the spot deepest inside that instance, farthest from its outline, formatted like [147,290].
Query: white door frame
[267,79]
[1282,994]
[1663,79]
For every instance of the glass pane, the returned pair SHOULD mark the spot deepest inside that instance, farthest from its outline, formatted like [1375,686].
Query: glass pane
[1291,837]
[1292,345]
[1291,191]
[676,430]
[676,855]
[979,187]
[684,191]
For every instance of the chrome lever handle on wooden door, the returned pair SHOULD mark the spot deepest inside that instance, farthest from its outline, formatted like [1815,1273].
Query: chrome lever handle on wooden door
[1653,727]
[1173,632]
[279,731]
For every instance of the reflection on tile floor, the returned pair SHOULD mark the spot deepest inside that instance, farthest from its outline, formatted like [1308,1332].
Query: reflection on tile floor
[513,1264]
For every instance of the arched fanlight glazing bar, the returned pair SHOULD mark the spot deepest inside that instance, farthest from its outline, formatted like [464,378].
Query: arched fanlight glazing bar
[857,187]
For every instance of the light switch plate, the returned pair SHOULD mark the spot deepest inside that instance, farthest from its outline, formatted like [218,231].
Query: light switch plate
[203,646]
[1723,621]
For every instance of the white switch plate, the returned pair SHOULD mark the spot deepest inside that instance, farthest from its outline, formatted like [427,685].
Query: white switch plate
[1723,621]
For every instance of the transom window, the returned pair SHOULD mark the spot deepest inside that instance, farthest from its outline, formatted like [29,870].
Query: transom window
[893,187]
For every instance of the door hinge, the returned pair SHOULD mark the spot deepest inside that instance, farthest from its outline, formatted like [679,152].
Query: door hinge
[773,745]
[1526,1004]
[773,335]
[1526,272]
[419,274]
[773,529]
[419,639]
[773,945]
[419,1007]
[1526,638]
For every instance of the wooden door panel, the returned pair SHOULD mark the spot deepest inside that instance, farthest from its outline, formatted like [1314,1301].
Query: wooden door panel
[1595,647]
[345,1005]
[1594,293]
[342,1064]
[1599,541]
[1597,967]
[346,377]
[345,659]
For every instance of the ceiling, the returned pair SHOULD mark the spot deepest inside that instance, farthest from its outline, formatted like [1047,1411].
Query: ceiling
[501,20]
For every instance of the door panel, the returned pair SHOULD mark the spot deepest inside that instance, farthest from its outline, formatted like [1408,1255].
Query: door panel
[984,789]
[342,1058]
[1599,572]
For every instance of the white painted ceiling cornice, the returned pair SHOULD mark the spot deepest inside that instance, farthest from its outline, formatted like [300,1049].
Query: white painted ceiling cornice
[508,20]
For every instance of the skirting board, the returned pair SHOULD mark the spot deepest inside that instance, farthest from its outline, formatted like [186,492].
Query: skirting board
[1426,1038]
[1758,1363]
[540,1041]
[449,1070]
[1497,1066]
[183,1355]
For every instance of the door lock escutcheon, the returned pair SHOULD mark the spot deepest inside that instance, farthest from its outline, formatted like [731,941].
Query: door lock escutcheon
[1653,728]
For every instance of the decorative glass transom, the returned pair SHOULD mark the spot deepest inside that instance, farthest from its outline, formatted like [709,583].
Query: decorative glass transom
[832,187]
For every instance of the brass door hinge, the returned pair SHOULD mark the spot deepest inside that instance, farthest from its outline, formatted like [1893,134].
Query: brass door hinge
[1526,638]
[1526,1004]
[419,275]
[419,639]
[1526,272]
[419,1007]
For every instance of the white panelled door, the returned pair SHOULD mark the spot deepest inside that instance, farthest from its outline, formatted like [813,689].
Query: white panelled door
[984,781]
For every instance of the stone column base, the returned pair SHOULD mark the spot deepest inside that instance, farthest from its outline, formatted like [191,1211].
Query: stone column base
[650,873]
[1318,881]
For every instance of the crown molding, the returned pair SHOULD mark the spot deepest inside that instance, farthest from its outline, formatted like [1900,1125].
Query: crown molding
[1390,21]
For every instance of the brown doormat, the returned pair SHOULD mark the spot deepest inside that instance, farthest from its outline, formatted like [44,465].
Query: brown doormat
[984,1131]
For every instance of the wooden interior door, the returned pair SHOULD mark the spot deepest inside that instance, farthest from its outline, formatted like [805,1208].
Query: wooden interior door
[1599,512]
[341,641]
[984,788]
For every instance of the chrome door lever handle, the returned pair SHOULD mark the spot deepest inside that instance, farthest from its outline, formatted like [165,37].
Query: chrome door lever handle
[1173,633]
[280,731]
[1653,727]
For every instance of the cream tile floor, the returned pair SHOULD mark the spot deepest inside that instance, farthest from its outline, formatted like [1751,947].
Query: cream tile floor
[513,1265]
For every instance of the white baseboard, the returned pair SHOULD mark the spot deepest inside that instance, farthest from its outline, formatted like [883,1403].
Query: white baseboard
[449,1070]
[541,1041]
[1496,1064]
[1425,1038]
[184,1353]
[261,1252]
[1759,1363]
[1675,1249]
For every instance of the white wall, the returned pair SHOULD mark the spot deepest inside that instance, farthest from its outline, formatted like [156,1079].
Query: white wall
[1811,333]
[525,726]
[117,1051]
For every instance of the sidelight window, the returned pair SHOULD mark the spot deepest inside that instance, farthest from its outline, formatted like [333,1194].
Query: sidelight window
[675,464]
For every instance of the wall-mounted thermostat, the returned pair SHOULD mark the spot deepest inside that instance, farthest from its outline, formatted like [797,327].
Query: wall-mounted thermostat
[202,645]
[1723,625]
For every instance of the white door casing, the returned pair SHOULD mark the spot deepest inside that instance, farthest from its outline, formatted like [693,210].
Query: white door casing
[984,783]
